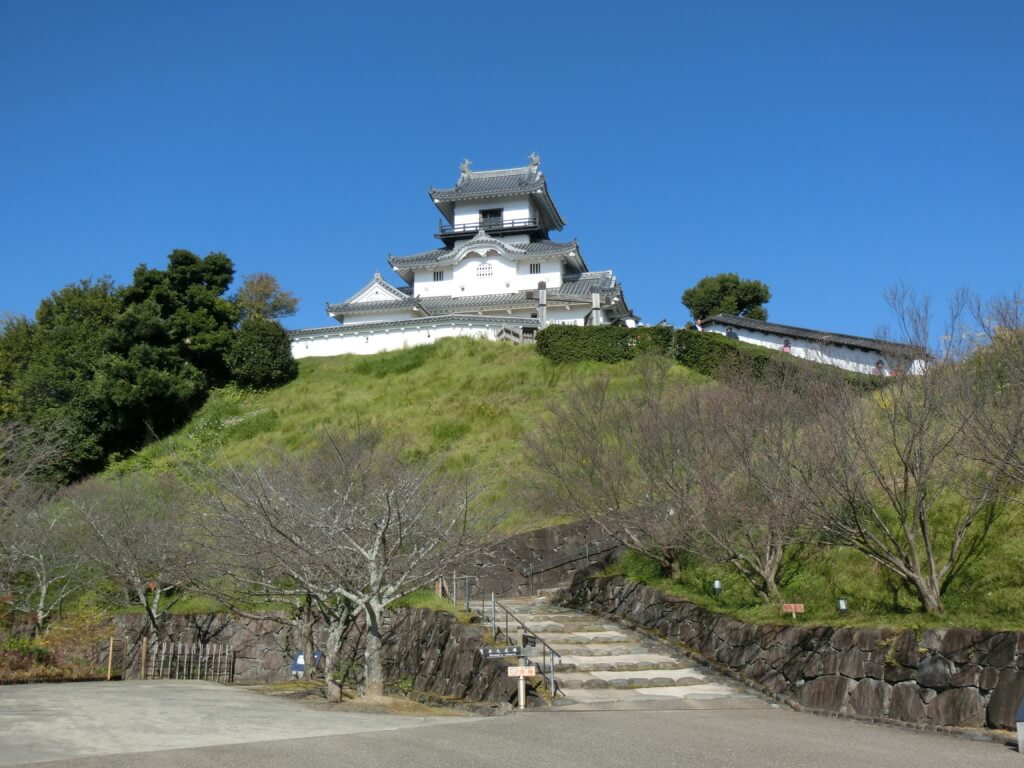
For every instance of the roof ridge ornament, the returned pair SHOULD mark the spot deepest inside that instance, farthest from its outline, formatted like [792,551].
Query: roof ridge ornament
[464,167]
[534,159]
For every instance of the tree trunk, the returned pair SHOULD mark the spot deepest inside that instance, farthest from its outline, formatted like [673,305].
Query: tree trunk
[332,681]
[675,567]
[931,599]
[374,683]
[308,646]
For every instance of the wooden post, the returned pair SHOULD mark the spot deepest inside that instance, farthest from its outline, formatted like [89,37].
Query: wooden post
[110,659]
[142,659]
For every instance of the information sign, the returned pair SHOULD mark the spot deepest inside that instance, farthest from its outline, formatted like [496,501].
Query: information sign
[508,651]
[522,671]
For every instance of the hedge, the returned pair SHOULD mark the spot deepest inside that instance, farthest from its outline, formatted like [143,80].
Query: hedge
[702,352]
[603,343]
[706,352]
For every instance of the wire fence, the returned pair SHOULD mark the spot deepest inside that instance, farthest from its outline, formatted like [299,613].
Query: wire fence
[187,661]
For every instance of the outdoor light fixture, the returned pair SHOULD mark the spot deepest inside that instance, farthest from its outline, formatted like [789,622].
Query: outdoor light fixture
[716,587]
[843,607]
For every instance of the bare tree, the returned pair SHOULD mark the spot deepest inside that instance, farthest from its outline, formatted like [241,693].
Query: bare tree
[352,526]
[26,453]
[994,386]
[136,533]
[674,469]
[41,564]
[626,461]
[898,484]
[758,459]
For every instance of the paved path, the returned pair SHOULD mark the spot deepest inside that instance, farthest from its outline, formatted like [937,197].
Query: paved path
[51,721]
[762,738]
[606,666]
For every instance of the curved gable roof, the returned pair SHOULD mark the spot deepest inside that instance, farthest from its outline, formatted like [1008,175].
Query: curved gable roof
[527,181]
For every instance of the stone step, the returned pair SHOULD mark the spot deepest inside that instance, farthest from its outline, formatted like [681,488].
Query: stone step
[660,678]
[599,649]
[584,638]
[606,664]
[703,696]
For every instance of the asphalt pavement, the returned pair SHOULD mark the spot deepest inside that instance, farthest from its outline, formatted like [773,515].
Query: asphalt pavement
[125,724]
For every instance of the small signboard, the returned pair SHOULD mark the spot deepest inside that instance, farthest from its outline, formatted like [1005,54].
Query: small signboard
[508,651]
[793,608]
[522,671]
[530,641]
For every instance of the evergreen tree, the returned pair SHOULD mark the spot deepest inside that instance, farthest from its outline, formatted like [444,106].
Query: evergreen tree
[727,294]
[261,355]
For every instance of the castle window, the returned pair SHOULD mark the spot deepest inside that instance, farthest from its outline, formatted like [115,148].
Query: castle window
[535,269]
[491,218]
[485,270]
[438,276]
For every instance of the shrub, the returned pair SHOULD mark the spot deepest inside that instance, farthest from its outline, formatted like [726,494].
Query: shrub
[18,653]
[260,355]
[713,354]
[602,343]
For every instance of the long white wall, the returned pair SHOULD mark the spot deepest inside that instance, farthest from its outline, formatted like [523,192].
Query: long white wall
[370,342]
[847,358]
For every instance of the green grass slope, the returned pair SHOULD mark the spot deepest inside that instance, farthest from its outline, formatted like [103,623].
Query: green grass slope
[470,400]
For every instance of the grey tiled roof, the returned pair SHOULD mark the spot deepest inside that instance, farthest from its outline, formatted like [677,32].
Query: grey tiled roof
[358,307]
[577,292]
[509,182]
[440,304]
[436,256]
[822,337]
[440,256]
[454,319]
[588,282]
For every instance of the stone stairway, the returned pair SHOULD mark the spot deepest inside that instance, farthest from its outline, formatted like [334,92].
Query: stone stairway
[605,666]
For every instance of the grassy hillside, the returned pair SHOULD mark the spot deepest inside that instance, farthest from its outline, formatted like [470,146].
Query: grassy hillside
[471,399]
[474,400]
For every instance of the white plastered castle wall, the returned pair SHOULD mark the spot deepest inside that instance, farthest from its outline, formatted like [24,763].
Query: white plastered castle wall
[365,341]
[379,317]
[838,355]
[512,208]
[485,271]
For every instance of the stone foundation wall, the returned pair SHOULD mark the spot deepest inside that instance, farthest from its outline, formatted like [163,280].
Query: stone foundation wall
[936,677]
[440,656]
[554,555]
[428,649]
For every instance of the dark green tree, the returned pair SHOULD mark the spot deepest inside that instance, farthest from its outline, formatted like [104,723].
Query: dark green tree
[111,368]
[48,368]
[727,294]
[261,355]
[187,301]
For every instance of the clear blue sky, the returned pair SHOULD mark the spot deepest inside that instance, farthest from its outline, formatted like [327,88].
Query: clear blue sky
[829,149]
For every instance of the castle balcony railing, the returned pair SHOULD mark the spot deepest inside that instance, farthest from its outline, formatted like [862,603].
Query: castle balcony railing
[454,231]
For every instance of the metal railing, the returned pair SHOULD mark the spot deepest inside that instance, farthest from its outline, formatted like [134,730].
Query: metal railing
[504,625]
[486,224]
[587,551]
[548,654]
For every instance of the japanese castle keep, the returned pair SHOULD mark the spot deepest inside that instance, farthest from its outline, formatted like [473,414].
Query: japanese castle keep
[496,275]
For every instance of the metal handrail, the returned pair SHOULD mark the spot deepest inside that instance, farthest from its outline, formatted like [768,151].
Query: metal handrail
[587,551]
[486,224]
[547,650]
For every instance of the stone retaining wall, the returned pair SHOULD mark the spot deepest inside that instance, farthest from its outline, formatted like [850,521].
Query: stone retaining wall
[429,650]
[935,677]
[505,568]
